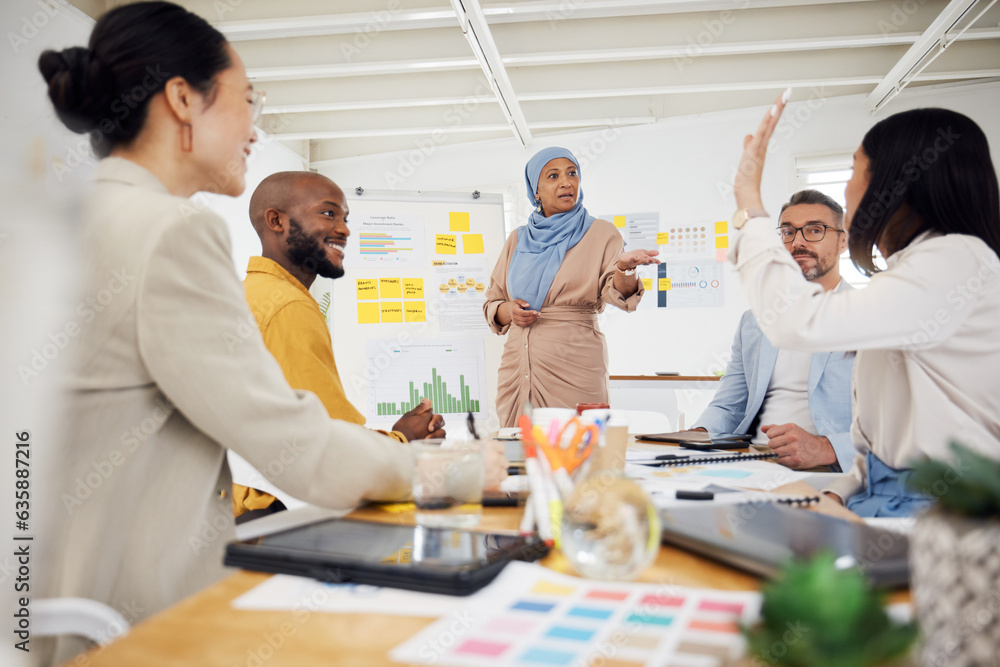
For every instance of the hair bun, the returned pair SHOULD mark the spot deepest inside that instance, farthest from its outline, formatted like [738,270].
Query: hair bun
[80,87]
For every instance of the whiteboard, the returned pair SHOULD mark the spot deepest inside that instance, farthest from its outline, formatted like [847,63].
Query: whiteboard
[394,235]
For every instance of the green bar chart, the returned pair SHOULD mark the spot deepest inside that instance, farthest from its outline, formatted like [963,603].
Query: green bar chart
[450,374]
[437,391]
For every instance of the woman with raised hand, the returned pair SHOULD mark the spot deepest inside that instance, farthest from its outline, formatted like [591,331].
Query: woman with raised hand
[924,192]
[551,281]
[167,375]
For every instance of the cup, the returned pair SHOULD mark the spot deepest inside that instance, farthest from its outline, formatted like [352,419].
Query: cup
[612,455]
[448,483]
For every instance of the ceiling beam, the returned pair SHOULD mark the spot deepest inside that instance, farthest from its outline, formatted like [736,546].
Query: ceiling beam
[337,70]
[724,86]
[954,20]
[370,23]
[462,129]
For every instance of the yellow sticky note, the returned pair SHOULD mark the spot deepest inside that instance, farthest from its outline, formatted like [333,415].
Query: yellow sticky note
[414,311]
[367,288]
[545,587]
[664,284]
[458,221]
[662,238]
[472,244]
[446,244]
[368,313]
[389,288]
[619,221]
[395,508]
[647,283]
[413,288]
[721,227]
[392,311]
[721,241]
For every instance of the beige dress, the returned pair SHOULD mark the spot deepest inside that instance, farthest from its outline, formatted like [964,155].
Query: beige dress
[562,359]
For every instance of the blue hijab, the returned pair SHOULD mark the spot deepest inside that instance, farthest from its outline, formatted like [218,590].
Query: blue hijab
[543,242]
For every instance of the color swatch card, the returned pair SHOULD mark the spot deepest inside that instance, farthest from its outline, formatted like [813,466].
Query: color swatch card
[531,615]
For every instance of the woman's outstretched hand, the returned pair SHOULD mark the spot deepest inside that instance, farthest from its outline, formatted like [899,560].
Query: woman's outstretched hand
[746,186]
[633,258]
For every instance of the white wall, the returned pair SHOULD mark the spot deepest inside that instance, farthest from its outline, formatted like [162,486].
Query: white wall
[680,167]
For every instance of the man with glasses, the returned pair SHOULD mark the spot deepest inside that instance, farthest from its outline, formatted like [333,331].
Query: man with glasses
[796,403]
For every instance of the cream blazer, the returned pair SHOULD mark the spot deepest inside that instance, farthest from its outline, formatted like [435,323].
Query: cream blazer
[169,371]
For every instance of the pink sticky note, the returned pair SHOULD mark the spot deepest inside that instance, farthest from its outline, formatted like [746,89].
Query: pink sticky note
[720,254]
[479,647]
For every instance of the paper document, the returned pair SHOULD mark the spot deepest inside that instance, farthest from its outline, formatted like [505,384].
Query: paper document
[284,592]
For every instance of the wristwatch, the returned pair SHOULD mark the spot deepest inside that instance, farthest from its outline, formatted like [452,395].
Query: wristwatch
[630,272]
[741,216]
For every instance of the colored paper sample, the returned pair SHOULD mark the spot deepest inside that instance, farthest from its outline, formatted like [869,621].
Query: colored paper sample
[620,221]
[721,227]
[367,288]
[472,244]
[368,313]
[414,311]
[722,241]
[389,288]
[720,254]
[533,616]
[413,288]
[446,244]
[392,311]
[458,221]
[662,238]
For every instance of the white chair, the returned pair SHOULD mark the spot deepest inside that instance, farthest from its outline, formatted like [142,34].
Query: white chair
[77,616]
[645,421]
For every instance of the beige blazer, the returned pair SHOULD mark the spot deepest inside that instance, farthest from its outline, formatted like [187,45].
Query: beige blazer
[170,371]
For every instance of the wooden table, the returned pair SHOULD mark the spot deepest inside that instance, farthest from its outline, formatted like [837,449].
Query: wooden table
[205,630]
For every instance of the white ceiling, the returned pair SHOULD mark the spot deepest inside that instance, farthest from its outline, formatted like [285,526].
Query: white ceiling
[356,77]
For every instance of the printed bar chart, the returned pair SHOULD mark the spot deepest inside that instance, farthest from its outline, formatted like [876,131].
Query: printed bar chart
[450,373]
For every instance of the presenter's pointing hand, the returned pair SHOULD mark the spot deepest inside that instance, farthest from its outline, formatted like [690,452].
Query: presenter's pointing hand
[633,258]
[520,313]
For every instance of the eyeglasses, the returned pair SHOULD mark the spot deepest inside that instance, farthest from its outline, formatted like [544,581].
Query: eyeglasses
[813,232]
[257,98]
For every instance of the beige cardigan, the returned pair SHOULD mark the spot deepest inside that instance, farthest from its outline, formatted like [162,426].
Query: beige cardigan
[170,371]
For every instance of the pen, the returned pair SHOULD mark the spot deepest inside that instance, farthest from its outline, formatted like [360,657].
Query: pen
[472,426]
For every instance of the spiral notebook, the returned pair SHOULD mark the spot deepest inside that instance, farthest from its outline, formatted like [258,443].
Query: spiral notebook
[682,459]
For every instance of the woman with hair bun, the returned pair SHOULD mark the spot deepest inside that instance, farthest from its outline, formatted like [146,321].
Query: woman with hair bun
[169,370]
[925,193]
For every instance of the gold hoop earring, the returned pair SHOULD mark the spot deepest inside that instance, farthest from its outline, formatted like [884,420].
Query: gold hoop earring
[187,139]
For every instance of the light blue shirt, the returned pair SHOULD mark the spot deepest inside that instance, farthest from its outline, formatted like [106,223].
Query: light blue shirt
[743,388]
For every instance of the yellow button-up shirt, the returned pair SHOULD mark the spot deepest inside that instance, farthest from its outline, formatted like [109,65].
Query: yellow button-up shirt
[296,333]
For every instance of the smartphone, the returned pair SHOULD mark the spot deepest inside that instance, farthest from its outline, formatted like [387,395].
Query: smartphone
[668,373]
[714,444]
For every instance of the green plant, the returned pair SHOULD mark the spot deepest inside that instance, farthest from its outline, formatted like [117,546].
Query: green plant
[814,615]
[969,486]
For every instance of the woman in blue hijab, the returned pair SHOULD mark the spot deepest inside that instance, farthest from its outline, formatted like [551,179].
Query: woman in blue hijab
[553,277]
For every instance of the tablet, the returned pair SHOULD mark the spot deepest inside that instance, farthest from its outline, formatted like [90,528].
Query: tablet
[695,436]
[432,560]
